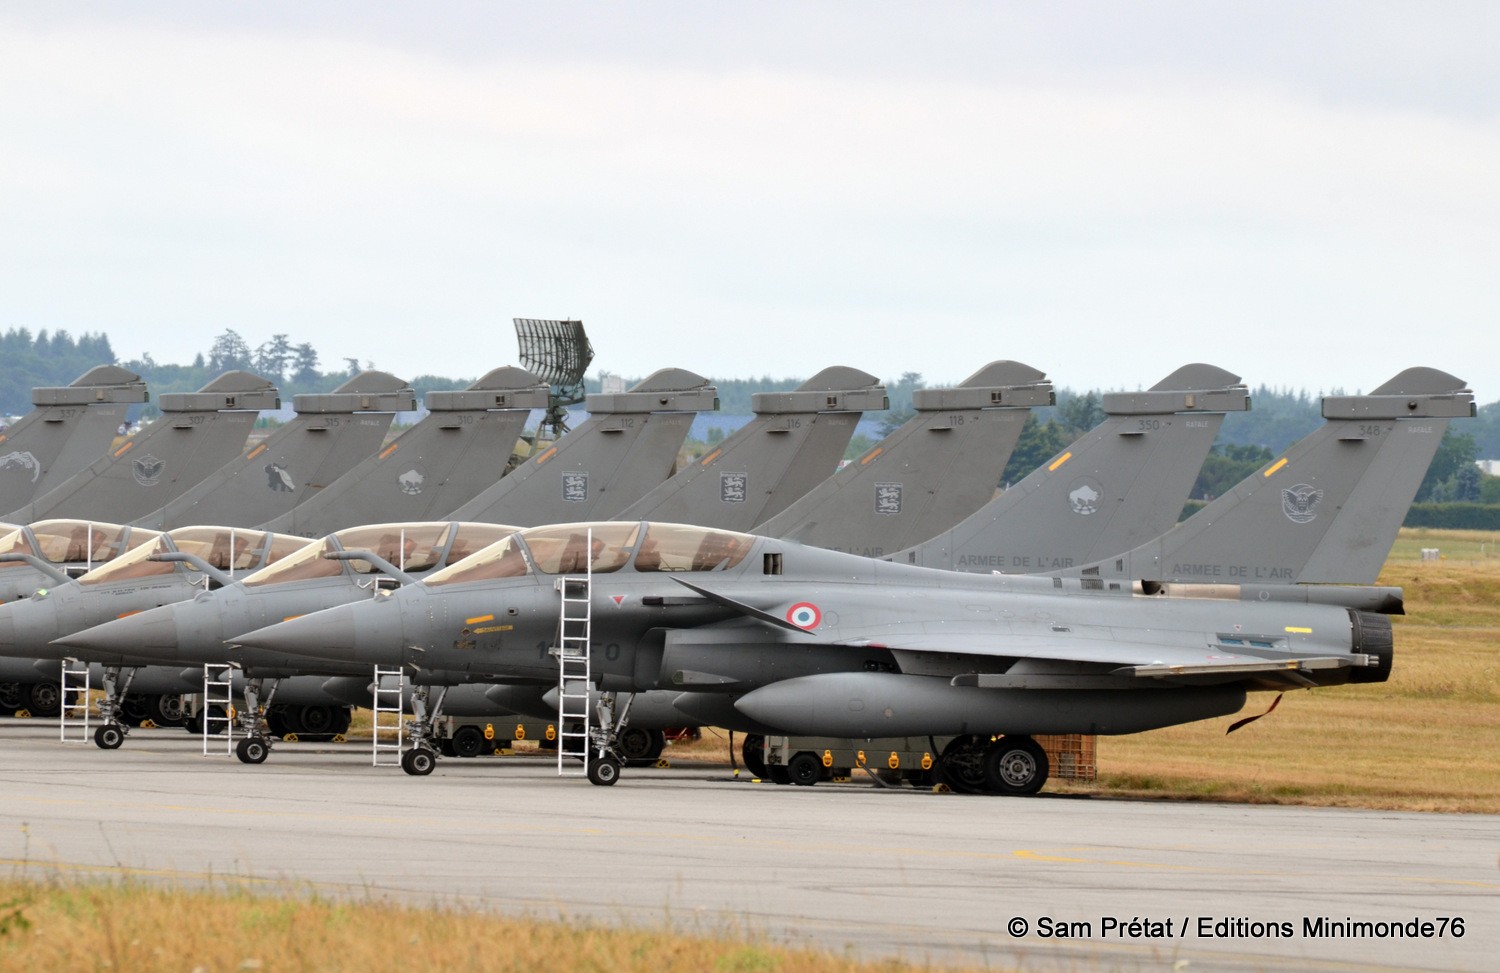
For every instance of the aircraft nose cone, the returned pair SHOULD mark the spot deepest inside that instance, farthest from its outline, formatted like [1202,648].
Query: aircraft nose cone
[152,633]
[343,634]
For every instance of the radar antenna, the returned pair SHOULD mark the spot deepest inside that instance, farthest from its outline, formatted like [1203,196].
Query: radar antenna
[557,352]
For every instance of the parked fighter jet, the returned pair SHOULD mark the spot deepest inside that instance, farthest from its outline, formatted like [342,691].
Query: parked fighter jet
[197,433]
[69,429]
[794,443]
[626,447]
[331,432]
[796,640]
[459,448]
[177,566]
[349,565]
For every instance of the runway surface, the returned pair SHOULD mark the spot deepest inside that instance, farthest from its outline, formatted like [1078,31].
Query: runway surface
[836,866]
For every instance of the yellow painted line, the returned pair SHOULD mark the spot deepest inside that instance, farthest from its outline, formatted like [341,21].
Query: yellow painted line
[545,456]
[129,445]
[1299,631]
[1275,466]
[290,617]
[1059,461]
[479,618]
[389,450]
[870,456]
[256,451]
[711,457]
[133,611]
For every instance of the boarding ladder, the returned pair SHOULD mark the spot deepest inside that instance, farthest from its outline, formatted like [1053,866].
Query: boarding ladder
[574,631]
[73,715]
[218,708]
[388,716]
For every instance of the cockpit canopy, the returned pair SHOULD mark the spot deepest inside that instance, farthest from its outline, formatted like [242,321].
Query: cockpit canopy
[73,542]
[601,548]
[413,548]
[232,550]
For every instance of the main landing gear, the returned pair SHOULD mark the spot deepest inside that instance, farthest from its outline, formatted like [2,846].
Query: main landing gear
[1008,765]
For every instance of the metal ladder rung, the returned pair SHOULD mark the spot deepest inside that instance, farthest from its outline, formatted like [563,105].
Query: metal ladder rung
[389,701]
[74,714]
[218,690]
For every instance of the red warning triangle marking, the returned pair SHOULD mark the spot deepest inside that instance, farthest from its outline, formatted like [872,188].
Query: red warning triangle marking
[618,599]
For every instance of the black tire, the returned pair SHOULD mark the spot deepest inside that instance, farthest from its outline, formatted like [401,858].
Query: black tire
[44,698]
[109,736]
[961,766]
[166,710]
[779,774]
[752,751]
[276,722]
[315,721]
[134,709]
[252,750]
[11,698]
[469,742]
[342,717]
[1015,766]
[604,771]
[641,746]
[804,769]
[216,718]
[419,761]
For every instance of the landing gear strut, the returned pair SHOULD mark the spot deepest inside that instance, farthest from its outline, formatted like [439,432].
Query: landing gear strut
[255,747]
[421,759]
[605,756]
[117,680]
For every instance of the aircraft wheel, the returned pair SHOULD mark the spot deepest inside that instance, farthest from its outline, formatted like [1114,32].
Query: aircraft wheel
[10,697]
[342,717]
[1015,765]
[804,769]
[419,761]
[134,710]
[641,746]
[166,710]
[44,699]
[277,722]
[252,750]
[215,717]
[779,774]
[961,766]
[468,742]
[604,771]
[109,736]
[315,720]
[752,751]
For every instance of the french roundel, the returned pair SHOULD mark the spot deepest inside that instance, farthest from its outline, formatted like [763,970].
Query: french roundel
[804,614]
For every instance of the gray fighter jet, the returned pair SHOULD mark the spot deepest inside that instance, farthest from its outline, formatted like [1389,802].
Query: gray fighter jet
[814,641]
[70,428]
[331,433]
[198,432]
[794,443]
[1121,484]
[349,565]
[926,476]
[627,446]
[177,566]
[794,640]
[459,448]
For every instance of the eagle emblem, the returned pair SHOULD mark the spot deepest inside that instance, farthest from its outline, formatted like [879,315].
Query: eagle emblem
[147,469]
[1300,502]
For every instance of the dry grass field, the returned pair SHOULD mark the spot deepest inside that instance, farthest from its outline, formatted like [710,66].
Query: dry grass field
[57,925]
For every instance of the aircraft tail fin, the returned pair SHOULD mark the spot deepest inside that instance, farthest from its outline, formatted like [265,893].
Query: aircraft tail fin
[1325,511]
[1121,484]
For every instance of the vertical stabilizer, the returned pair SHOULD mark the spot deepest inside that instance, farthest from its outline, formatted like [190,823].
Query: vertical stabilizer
[794,443]
[936,469]
[331,432]
[1121,484]
[197,433]
[1327,510]
[68,429]
[458,449]
[626,446]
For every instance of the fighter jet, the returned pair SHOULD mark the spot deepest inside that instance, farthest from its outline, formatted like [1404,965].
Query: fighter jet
[794,443]
[177,566]
[197,433]
[331,433]
[349,565]
[794,640]
[626,447]
[459,448]
[70,428]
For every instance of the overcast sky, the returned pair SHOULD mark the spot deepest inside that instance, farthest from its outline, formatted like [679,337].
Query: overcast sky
[1305,194]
